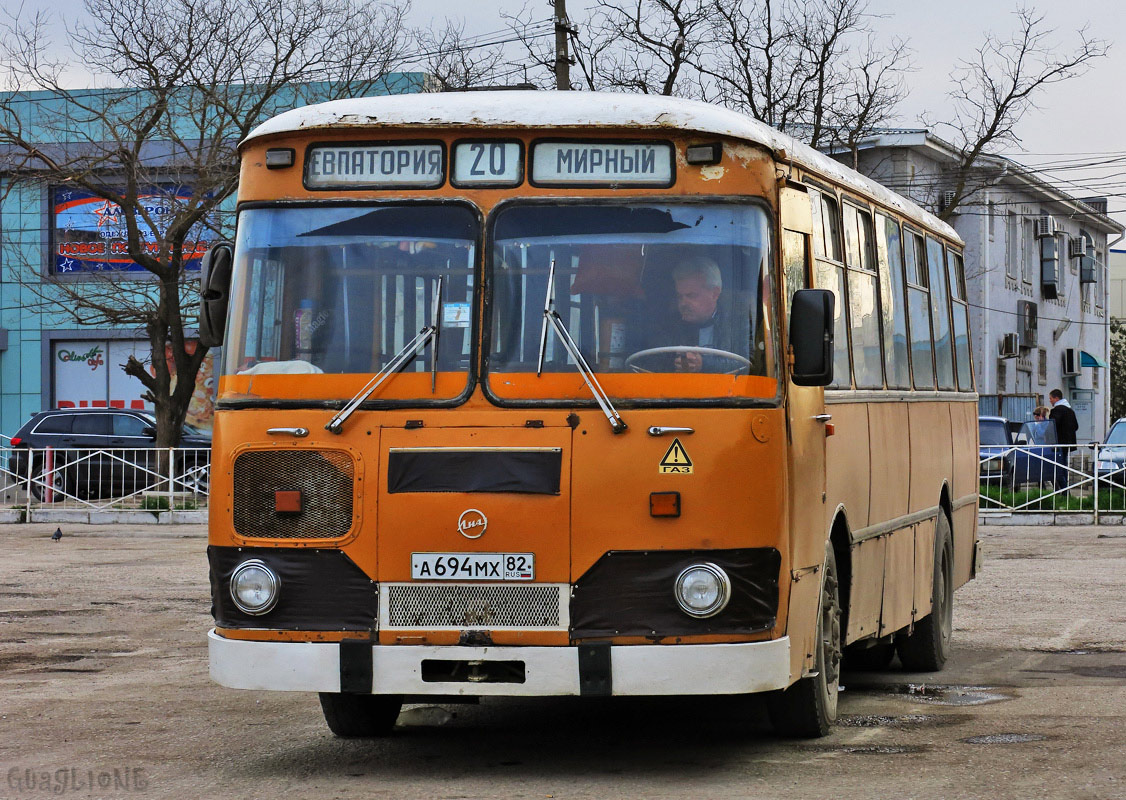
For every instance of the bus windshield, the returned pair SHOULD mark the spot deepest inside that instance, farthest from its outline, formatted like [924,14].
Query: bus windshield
[679,290]
[342,289]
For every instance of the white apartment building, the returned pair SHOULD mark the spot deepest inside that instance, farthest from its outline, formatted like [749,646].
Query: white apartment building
[1036,274]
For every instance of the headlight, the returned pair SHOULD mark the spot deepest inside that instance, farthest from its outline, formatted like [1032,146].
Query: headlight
[254,587]
[1108,465]
[702,590]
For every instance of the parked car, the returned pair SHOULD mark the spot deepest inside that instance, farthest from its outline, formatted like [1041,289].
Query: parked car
[1038,458]
[83,462]
[994,440]
[1112,455]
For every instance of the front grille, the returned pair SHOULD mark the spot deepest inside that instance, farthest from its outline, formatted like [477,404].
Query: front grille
[478,606]
[325,479]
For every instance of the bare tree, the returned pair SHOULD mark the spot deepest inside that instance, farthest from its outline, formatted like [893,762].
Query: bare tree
[456,62]
[995,88]
[189,79]
[810,68]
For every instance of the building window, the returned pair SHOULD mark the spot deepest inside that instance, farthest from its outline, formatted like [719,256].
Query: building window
[1043,371]
[1030,255]
[1012,244]
[1002,376]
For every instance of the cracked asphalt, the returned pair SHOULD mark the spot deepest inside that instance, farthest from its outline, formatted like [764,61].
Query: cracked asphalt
[104,693]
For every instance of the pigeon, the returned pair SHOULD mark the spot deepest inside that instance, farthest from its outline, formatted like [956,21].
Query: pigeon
[58,534]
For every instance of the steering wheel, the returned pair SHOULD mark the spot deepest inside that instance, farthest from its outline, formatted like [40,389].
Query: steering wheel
[727,355]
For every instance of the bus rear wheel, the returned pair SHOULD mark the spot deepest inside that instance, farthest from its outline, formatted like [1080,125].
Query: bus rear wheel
[809,708]
[926,648]
[353,716]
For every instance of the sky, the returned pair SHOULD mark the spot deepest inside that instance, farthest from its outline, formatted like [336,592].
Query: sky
[1080,120]
[1084,116]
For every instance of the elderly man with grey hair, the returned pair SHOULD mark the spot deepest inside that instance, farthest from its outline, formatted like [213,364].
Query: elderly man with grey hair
[699,284]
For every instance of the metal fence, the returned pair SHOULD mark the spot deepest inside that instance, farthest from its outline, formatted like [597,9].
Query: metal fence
[1086,478]
[103,479]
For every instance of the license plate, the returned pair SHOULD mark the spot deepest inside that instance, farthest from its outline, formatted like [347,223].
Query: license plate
[473,566]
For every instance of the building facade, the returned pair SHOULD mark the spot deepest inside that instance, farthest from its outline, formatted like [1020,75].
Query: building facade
[1036,273]
[53,232]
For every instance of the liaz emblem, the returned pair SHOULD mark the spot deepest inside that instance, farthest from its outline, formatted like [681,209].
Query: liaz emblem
[676,460]
[472,523]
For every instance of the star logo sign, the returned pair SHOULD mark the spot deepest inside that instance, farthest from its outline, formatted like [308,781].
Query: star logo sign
[67,265]
[107,214]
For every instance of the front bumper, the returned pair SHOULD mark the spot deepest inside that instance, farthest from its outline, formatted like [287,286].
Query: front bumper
[680,669]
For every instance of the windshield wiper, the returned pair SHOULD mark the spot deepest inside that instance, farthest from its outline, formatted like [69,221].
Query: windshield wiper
[425,336]
[550,315]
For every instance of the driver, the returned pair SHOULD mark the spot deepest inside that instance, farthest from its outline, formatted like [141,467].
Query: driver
[699,285]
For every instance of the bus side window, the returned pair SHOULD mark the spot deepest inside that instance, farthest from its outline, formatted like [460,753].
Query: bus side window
[830,274]
[795,258]
[867,360]
[961,313]
[918,310]
[940,314]
[889,257]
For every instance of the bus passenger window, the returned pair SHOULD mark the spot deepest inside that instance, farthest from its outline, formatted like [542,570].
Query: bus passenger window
[919,312]
[867,359]
[890,261]
[961,317]
[940,313]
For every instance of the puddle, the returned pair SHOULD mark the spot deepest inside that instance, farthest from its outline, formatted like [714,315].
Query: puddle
[1004,738]
[950,695]
[867,750]
[45,612]
[901,721]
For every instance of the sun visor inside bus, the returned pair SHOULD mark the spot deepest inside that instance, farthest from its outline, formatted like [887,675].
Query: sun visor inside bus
[519,471]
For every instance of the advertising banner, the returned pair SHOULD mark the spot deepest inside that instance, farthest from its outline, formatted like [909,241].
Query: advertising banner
[88,374]
[88,233]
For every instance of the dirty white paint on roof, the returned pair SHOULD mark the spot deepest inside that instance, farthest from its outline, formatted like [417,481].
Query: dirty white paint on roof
[545,109]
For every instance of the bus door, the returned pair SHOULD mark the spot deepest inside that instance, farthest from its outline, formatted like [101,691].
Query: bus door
[807,422]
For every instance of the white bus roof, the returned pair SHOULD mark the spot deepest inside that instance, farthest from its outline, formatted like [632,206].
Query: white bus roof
[577,110]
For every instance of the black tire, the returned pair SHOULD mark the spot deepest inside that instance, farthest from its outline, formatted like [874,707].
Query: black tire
[58,484]
[808,709]
[869,659]
[927,647]
[353,716]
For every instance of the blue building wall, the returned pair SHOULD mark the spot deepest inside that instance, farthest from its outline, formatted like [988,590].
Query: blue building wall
[31,325]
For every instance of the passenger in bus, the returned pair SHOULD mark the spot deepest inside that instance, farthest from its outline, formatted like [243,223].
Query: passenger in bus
[699,285]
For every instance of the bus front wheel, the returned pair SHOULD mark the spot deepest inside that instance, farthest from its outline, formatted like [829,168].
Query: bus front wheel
[809,707]
[352,716]
[926,648]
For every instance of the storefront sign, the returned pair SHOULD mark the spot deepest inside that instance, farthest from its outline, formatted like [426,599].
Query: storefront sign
[89,234]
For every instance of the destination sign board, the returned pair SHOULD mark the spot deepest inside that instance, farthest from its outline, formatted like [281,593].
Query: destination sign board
[602,164]
[487,164]
[375,165]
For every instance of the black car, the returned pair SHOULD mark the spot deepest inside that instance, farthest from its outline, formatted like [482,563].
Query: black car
[83,441]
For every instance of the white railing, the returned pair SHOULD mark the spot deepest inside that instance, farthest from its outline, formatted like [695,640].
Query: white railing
[97,479]
[1080,479]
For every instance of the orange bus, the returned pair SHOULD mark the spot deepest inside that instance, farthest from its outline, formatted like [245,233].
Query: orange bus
[531,393]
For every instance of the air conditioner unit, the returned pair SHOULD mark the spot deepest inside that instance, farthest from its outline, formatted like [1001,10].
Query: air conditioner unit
[1027,318]
[1070,362]
[1045,226]
[1010,345]
[1076,247]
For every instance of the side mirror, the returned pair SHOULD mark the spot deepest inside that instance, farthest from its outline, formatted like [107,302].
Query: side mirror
[149,431]
[811,337]
[214,294]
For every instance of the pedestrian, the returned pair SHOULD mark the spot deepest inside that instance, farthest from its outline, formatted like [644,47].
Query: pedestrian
[1064,416]
[1040,413]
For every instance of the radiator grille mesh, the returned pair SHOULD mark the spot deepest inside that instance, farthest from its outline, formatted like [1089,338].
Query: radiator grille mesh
[429,606]
[325,479]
